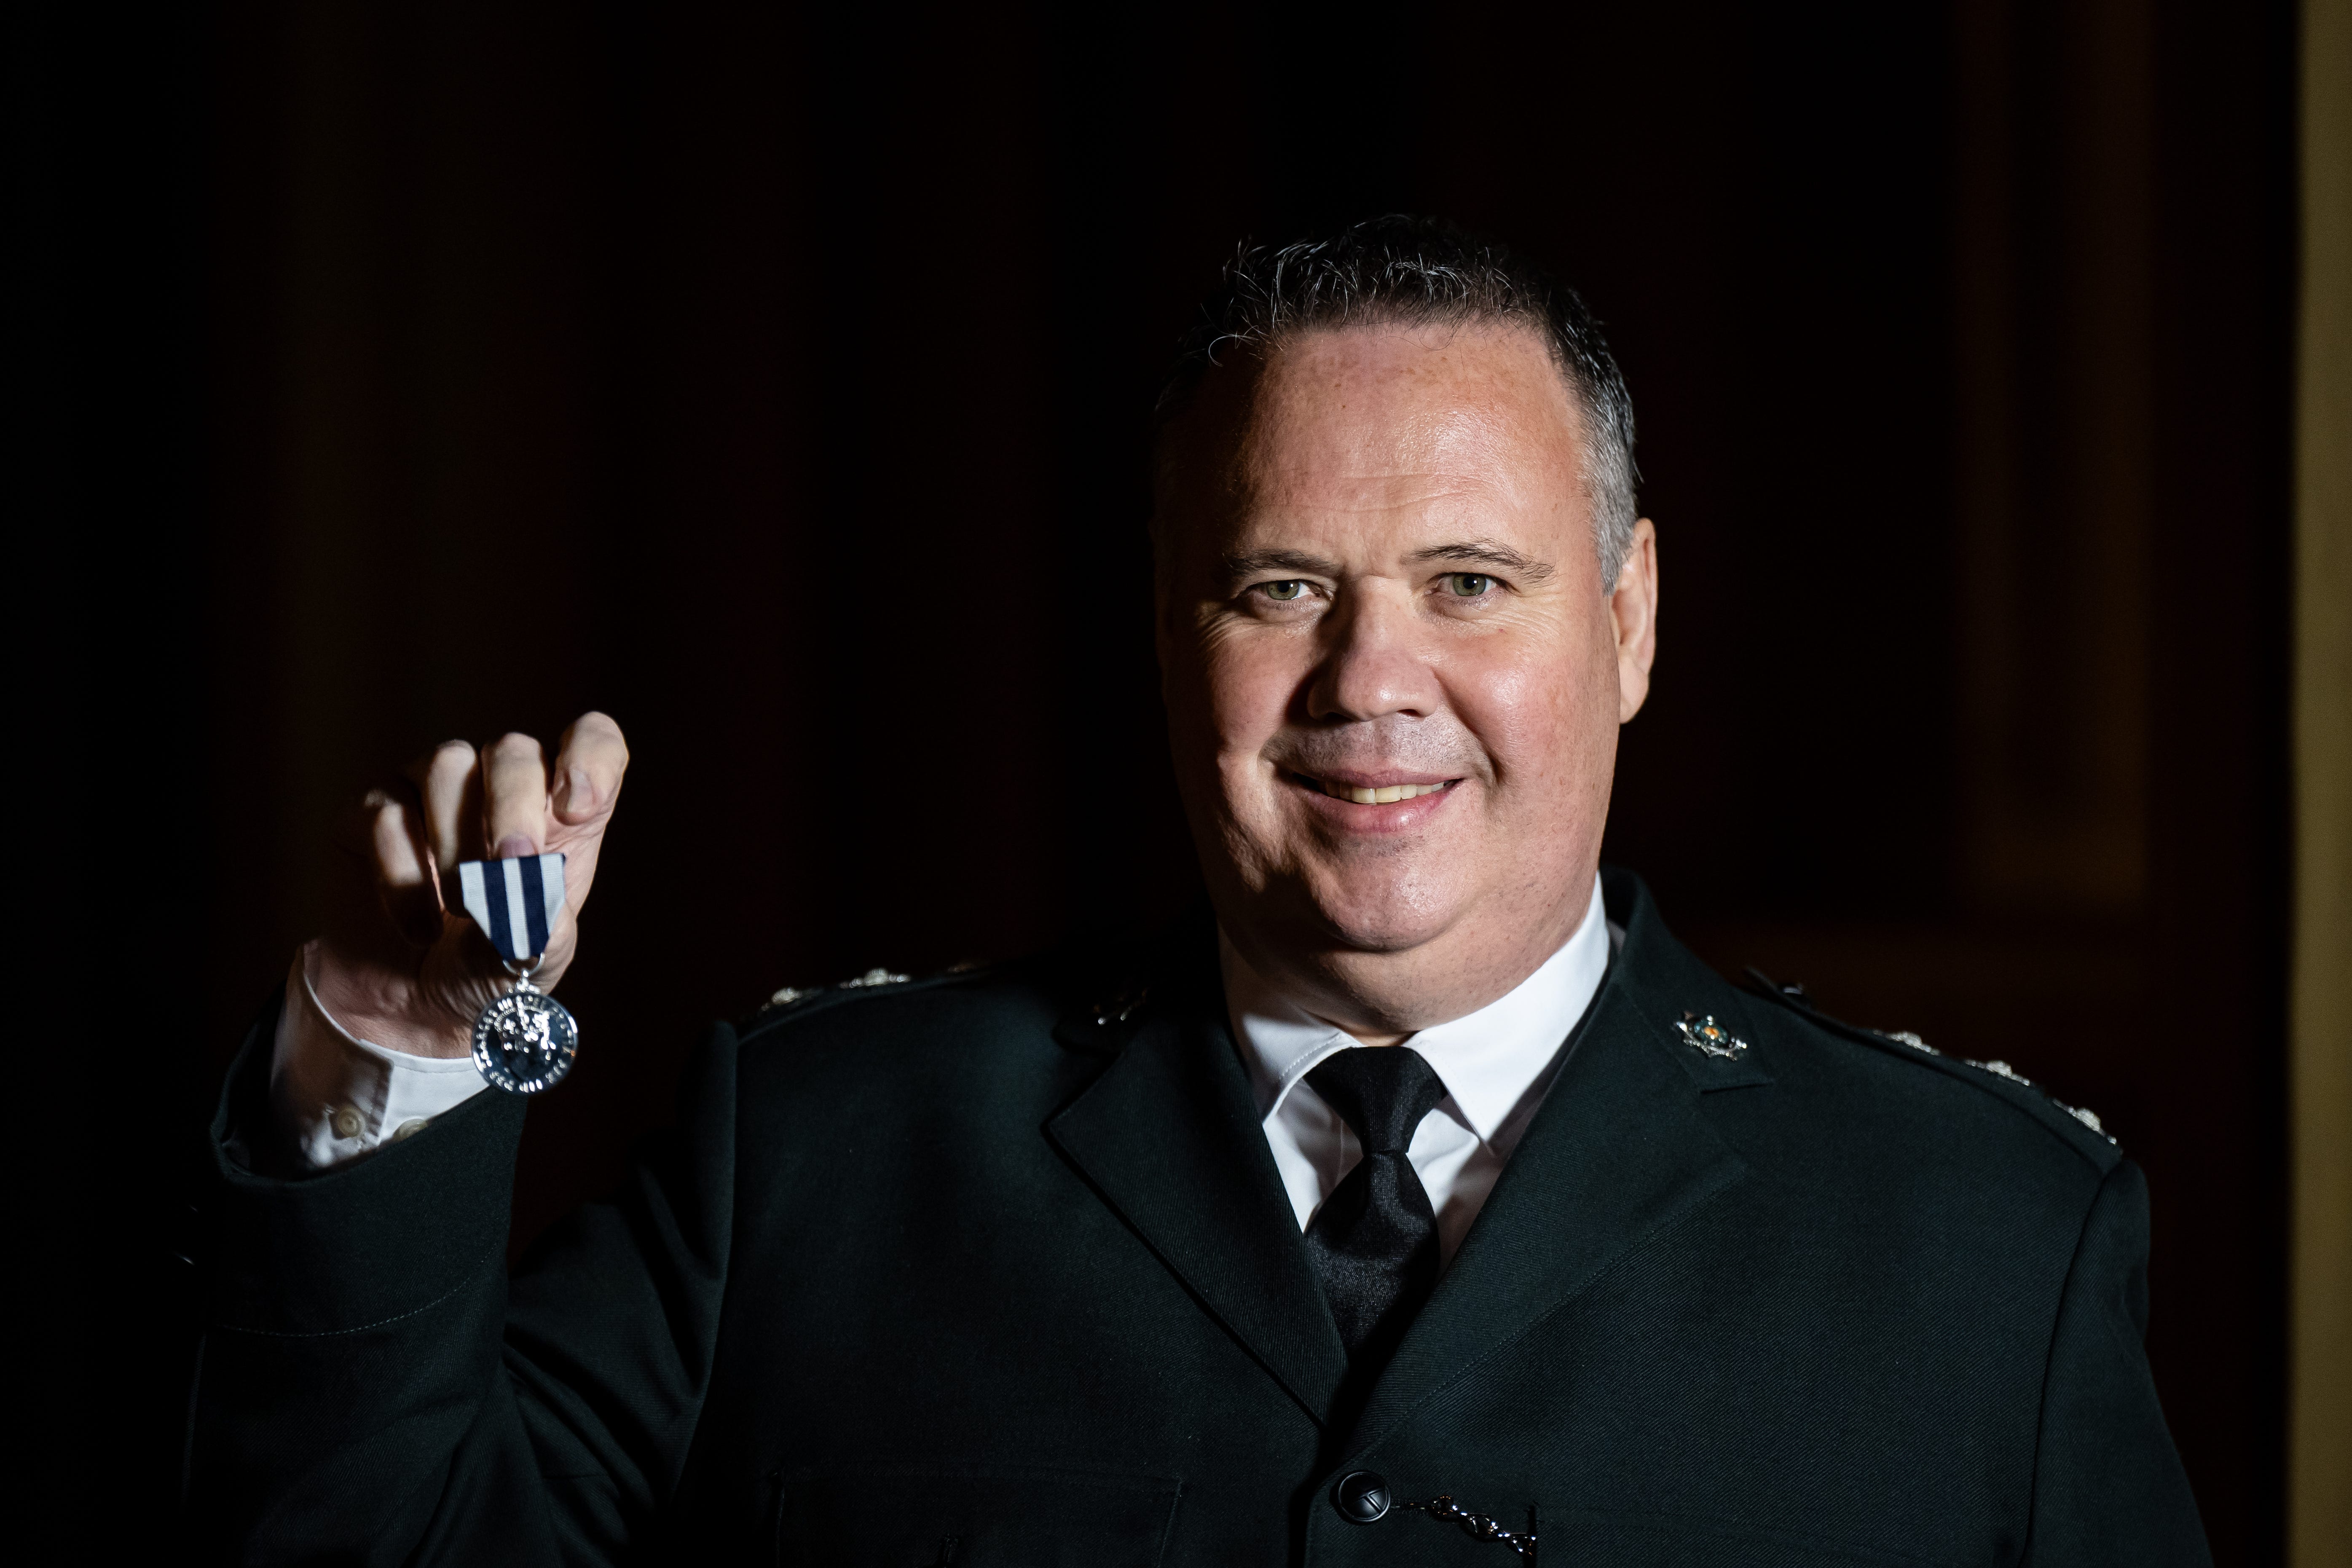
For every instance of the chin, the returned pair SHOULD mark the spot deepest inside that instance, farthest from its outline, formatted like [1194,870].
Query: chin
[1384,914]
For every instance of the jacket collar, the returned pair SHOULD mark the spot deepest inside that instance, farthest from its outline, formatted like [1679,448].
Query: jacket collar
[1618,1153]
[1170,1137]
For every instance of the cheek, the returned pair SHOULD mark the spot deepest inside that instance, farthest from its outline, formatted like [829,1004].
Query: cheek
[1247,679]
[1537,716]
[1519,718]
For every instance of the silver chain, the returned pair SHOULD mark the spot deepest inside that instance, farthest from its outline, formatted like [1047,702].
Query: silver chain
[1443,1507]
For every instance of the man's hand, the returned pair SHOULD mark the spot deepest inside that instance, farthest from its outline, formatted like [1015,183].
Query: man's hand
[401,964]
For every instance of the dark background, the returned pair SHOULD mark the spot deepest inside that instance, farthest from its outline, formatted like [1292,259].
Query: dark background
[775,380]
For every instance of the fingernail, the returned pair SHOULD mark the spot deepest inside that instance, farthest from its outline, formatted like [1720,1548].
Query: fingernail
[579,793]
[516,847]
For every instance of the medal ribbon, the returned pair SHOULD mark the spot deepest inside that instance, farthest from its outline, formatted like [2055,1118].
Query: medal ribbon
[514,902]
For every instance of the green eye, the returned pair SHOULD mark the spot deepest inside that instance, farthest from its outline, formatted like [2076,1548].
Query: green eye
[1284,590]
[1468,584]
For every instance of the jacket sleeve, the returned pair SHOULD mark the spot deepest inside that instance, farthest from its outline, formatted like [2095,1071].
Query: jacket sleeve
[2108,1486]
[374,1389]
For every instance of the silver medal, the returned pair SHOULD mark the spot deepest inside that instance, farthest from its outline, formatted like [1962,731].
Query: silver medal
[525,1040]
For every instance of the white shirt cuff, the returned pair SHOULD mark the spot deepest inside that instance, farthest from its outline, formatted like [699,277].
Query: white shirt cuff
[337,1096]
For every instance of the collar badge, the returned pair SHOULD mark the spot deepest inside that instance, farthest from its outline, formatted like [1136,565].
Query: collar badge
[1123,1006]
[1707,1037]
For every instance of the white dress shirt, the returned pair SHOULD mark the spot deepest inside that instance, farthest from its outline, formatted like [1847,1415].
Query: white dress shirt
[1495,1063]
[338,1097]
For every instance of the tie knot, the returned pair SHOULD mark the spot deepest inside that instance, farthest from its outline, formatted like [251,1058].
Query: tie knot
[1381,1092]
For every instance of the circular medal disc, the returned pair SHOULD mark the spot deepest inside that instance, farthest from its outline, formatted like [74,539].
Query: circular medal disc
[524,1041]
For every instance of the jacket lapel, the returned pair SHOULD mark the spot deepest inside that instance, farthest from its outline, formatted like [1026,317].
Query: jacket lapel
[1618,1152]
[1170,1137]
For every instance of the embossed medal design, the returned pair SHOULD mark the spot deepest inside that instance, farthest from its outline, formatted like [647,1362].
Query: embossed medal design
[524,1041]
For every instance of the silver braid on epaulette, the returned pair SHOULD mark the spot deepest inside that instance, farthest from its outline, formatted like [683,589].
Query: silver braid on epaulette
[2000,1068]
[789,994]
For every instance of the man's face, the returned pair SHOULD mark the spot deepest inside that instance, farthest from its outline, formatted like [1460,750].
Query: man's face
[1393,676]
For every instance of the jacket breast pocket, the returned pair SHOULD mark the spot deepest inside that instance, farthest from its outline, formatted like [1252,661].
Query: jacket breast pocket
[1625,1538]
[975,1517]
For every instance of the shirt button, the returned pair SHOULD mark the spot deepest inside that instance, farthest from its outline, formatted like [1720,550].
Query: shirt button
[1362,1497]
[408,1128]
[346,1121]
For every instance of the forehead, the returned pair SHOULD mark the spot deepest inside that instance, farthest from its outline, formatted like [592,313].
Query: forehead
[1380,420]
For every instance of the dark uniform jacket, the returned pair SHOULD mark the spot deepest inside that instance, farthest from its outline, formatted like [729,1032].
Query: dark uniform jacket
[996,1269]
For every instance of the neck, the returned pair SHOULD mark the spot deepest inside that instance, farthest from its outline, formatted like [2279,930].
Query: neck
[1383,997]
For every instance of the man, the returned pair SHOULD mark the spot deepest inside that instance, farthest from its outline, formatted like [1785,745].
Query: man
[1431,1205]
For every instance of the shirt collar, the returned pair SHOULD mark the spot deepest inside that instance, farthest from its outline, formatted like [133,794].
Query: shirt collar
[1486,1059]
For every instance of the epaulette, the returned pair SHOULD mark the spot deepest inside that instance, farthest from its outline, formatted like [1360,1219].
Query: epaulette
[1795,1000]
[795,998]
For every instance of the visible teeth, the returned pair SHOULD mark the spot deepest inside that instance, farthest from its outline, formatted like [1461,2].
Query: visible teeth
[1381,796]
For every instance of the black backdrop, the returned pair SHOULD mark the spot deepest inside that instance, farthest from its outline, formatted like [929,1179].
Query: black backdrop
[775,380]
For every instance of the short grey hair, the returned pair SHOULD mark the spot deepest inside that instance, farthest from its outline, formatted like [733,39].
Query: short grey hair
[1416,271]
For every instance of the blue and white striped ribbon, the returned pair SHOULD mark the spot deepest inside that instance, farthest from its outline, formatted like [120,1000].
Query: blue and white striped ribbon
[514,902]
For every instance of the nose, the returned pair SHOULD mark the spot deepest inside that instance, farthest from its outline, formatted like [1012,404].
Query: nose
[1374,663]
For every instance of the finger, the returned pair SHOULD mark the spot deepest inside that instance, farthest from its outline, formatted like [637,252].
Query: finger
[449,782]
[589,762]
[403,868]
[514,797]
[588,769]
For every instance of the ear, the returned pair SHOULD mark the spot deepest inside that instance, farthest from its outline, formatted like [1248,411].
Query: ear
[1633,606]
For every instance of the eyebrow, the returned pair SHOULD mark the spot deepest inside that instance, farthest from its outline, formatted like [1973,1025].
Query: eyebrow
[1244,563]
[1472,553]
[1487,552]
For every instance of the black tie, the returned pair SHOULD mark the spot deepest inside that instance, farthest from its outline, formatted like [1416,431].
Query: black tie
[1374,1240]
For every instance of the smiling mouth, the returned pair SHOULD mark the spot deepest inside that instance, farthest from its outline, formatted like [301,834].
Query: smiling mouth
[1374,794]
